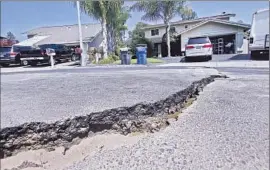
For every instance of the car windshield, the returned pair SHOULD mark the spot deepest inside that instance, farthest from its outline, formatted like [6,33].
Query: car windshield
[5,49]
[200,40]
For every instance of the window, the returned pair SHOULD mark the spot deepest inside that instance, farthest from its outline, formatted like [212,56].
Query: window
[154,32]
[5,49]
[21,48]
[198,40]
[172,29]
[186,26]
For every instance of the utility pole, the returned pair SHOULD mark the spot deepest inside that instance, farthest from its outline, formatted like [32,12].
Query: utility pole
[82,61]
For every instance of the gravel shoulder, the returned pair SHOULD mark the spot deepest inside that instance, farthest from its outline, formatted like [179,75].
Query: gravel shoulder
[48,97]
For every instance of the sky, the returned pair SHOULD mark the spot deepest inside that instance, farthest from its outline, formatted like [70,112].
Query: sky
[21,16]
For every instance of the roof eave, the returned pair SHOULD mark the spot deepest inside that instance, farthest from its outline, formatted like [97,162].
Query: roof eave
[189,21]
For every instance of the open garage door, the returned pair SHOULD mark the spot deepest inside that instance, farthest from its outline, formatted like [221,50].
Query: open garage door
[224,44]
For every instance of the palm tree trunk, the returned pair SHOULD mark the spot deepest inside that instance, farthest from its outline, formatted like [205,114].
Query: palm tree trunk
[109,38]
[168,38]
[104,34]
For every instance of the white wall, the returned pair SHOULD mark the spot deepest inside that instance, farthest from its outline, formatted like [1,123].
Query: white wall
[244,48]
[213,29]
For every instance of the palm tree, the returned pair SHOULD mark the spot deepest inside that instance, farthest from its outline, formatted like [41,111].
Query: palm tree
[99,10]
[116,20]
[161,10]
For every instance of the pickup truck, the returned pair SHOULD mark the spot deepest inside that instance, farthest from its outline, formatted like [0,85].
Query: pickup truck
[38,55]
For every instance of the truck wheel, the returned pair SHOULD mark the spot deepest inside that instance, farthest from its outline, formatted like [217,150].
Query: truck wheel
[24,63]
[73,57]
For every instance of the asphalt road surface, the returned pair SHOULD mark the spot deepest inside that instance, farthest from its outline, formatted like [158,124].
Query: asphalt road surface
[226,128]
[51,96]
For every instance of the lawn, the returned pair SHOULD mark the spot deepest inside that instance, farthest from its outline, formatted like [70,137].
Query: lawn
[149,60]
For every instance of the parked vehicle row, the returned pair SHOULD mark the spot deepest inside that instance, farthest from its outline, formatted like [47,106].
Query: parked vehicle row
[27,55]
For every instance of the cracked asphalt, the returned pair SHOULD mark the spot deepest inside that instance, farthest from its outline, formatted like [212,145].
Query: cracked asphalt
[226,128]
[51,96]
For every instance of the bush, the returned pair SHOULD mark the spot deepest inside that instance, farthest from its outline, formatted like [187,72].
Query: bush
[109,60]
[114,57]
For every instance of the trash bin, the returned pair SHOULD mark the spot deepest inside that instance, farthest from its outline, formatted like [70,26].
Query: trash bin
[141,53]
[124,56]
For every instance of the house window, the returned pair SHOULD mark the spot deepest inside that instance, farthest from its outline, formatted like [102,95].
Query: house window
[154,32]
[172,29]
[186,26]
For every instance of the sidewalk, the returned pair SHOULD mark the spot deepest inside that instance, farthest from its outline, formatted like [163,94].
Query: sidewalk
[66,65]
[213,64]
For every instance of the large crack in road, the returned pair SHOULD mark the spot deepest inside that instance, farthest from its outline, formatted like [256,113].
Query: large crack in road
[147,117]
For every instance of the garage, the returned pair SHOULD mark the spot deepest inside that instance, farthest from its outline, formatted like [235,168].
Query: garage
[227,37]
[223,44]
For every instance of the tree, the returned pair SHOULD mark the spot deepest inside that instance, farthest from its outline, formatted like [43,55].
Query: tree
[11,36]
[188,14]
[116,27]
[138,37]
[112,17]
[161,10]
[99,10]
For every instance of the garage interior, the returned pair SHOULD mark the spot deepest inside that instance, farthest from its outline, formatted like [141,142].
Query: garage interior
[223,44]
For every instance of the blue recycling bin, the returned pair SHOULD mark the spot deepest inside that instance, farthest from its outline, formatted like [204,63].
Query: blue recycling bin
[141,53]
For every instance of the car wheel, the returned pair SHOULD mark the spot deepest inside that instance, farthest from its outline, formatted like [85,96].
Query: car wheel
[5,65]
[209,58]
[24,63]
[73,57]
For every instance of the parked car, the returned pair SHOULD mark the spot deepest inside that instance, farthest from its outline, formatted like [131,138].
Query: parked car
[11,55]
[259,34]
[199,47]
[38,54]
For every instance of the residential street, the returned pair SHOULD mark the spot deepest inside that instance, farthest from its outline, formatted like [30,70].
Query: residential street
[139,85]
[48,97]
[226,128]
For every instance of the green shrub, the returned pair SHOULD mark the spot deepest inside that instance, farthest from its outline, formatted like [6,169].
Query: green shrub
[109,60]
[114,57]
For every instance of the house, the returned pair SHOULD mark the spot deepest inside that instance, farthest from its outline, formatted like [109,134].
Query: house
[66,34]
[4,42]
[219,29]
